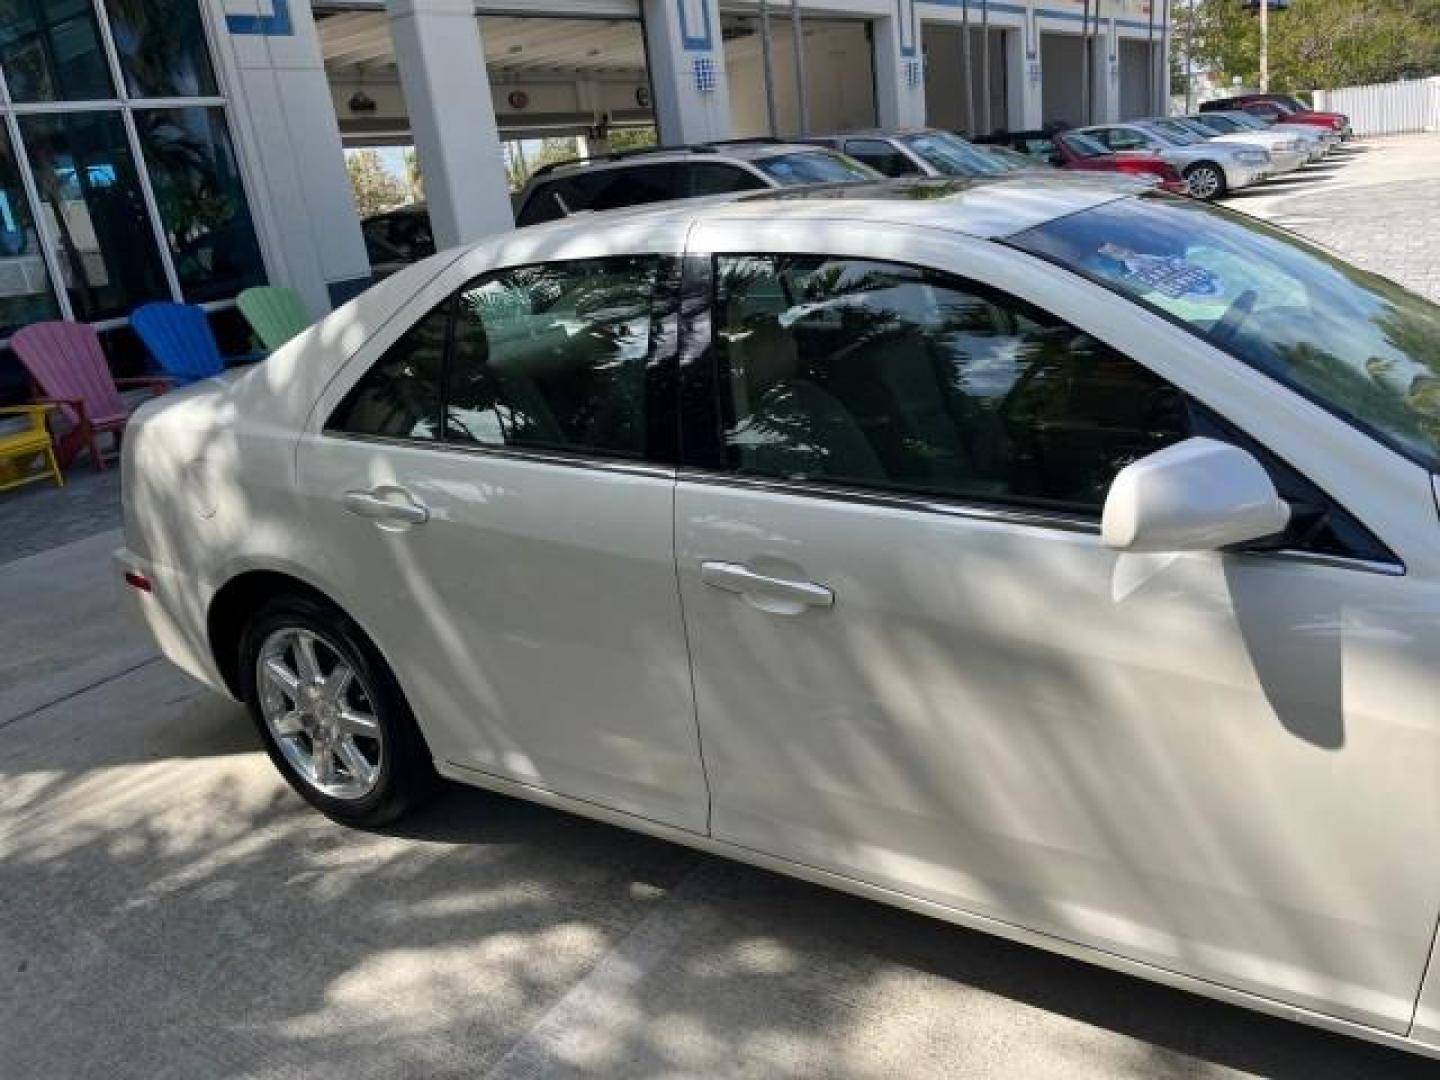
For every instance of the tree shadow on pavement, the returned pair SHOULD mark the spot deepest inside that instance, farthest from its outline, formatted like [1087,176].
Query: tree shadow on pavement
[185,915]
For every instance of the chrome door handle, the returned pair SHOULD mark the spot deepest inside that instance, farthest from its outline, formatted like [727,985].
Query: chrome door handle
[732,577]
[386,504]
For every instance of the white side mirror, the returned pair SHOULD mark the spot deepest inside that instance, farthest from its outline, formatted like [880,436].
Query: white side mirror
[1197,495]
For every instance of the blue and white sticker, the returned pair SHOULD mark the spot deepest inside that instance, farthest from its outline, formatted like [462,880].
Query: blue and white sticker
[1169,275]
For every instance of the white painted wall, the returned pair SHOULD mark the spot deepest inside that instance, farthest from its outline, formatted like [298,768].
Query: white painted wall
[289,144]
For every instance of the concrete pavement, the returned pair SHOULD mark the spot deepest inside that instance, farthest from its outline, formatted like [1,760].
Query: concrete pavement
[1376,201]
[169,909]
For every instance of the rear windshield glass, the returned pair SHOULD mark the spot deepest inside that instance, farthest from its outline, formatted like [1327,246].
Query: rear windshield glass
[1084,145]
[1355,343]
[814,167]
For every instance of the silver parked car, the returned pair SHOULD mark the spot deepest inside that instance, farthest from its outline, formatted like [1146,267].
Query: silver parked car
[1210,169]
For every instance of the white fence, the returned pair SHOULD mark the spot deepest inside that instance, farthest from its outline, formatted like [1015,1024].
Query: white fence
[1386,109]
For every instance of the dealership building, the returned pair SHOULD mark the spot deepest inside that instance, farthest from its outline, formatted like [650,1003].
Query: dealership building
[186,149]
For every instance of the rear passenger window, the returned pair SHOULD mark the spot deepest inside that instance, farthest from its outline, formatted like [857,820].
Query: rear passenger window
[399,397]
[553,357]
[713,179]
[887,376]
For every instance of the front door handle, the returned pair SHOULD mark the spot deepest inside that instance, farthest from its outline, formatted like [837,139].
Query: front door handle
[386,504]
[774,594]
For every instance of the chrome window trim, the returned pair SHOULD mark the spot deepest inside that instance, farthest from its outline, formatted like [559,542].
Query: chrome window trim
[899,500]
[1032,517]
[575,460]
[999,515]
[1338,562]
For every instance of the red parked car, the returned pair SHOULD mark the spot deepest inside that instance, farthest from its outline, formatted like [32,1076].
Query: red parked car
[1282,109]
[1072,150]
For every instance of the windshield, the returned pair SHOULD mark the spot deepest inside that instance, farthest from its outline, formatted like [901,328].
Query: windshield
[953,156]
[814,167]
[1084,146]
[1359,345]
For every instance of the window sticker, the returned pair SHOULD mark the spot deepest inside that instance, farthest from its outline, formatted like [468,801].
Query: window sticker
[1169,275]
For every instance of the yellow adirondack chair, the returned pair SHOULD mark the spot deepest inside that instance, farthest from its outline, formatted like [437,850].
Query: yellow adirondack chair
[19,450]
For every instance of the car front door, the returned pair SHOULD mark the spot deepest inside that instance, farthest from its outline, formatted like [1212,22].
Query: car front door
[917,665]
[500,481]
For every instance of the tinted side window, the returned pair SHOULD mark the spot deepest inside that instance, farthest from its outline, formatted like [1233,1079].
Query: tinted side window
[553,357]
[636,186]
[712,179]
[881,156]
[549,201]
[400,396]
[896,378]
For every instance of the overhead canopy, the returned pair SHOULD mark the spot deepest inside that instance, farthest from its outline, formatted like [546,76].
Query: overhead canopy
[548,74]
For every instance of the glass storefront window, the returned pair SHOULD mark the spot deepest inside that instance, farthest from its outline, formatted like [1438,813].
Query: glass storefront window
[162,48]
[202,203]
[25,293]
[50,51]
[93,207]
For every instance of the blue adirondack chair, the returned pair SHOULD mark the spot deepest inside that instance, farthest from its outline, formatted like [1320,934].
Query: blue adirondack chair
[181,341]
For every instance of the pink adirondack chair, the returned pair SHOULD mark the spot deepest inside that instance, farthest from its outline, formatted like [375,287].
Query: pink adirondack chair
[68,367]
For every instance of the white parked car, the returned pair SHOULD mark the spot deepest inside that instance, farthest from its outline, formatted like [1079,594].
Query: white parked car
[1059,562]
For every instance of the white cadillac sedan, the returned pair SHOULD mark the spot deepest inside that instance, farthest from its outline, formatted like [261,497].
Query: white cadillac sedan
[1053,560]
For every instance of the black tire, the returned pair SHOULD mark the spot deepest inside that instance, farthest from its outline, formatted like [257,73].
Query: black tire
[1211,175]
[406,775]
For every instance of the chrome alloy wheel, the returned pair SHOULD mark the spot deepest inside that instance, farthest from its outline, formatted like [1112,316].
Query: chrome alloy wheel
[320,713]
[1204,181]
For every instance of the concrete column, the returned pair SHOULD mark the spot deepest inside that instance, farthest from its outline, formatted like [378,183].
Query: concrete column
[1105,73]
[284,126]
[687,70]
[899,68]
[1022,68]
[452,118]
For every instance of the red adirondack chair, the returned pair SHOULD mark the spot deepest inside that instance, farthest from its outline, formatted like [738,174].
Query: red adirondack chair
[68,367]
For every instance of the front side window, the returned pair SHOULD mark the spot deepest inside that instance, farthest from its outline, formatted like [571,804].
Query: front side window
[881,156]
[813,167]
[886,376]
[399,397]
[1359,345]
[554,357]
[1121,138]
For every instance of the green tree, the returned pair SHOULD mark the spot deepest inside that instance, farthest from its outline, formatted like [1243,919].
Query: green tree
[376,189]
[1315,44]
[414,176]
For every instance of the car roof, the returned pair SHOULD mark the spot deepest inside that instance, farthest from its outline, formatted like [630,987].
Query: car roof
[738,150]
[982,207]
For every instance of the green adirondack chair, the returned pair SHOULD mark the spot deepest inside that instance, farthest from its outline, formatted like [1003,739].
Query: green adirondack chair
[275,314]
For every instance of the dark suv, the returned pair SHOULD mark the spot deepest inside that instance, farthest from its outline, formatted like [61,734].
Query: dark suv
[659,174]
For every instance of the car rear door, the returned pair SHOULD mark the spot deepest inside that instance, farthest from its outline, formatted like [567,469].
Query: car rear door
[917,666]
[498,481]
